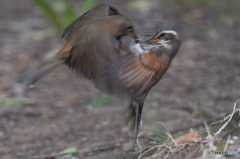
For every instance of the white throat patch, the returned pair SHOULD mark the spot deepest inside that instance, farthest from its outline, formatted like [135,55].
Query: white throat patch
[136,49]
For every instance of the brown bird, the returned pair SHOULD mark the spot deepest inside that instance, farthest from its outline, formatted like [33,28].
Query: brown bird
[143,71]
[136,74]
[92,40]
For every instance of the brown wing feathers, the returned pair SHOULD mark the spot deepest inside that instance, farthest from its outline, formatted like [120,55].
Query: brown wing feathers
[98,12]
[139,72]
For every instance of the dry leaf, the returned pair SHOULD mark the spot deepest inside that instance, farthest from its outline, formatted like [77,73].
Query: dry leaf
[187,137]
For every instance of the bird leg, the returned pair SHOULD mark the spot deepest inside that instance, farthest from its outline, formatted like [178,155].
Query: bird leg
[138,111]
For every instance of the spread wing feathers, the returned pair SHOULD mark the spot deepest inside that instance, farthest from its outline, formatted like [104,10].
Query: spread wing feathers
[139,72]
[93,48]
[31,77]
[97,13]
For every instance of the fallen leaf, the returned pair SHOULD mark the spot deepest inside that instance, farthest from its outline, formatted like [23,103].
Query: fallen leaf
[192,135]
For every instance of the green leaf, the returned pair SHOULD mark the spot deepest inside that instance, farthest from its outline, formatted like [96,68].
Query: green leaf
[86,5]
[158,139]
[69,14]
[12,102]
[101,101]
[49,11]
[69,150]
[158,122]
[160,133]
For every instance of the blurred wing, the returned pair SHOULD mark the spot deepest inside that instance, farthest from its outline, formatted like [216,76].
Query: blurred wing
[92,16]
[141,73]
[92,49]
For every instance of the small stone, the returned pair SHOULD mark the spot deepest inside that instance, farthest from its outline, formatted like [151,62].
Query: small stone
[235,137]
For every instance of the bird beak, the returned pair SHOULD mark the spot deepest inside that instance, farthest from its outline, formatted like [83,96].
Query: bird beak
[133,35]
[154,40]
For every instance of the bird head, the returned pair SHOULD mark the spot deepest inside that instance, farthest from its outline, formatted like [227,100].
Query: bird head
[120,26]
[169,39]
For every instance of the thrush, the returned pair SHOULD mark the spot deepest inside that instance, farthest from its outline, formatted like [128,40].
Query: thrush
[146,67]
[92,40]
[136,74]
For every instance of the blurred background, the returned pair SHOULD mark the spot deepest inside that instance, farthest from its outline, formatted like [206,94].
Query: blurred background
[64,112]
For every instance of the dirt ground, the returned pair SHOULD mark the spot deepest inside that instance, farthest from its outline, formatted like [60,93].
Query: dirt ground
[202,83]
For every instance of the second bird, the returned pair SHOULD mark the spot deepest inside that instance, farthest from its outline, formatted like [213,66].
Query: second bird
[91,41]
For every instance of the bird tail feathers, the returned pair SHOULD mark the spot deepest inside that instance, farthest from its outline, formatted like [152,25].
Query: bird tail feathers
[31,77]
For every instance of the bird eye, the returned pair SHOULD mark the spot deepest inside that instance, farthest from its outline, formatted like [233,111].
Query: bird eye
[162,35]
[129,27]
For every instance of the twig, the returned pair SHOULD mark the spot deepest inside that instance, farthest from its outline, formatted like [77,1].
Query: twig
[156,152]
[209,134]
[170,149]
[170,136]
[227,143]
[225,124]
[210,137]
[154,147]
[194,125]
[140,153]
[140,147]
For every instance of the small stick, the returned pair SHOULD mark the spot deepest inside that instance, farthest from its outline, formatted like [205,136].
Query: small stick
[225,124]
[210,137]
[227,143]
